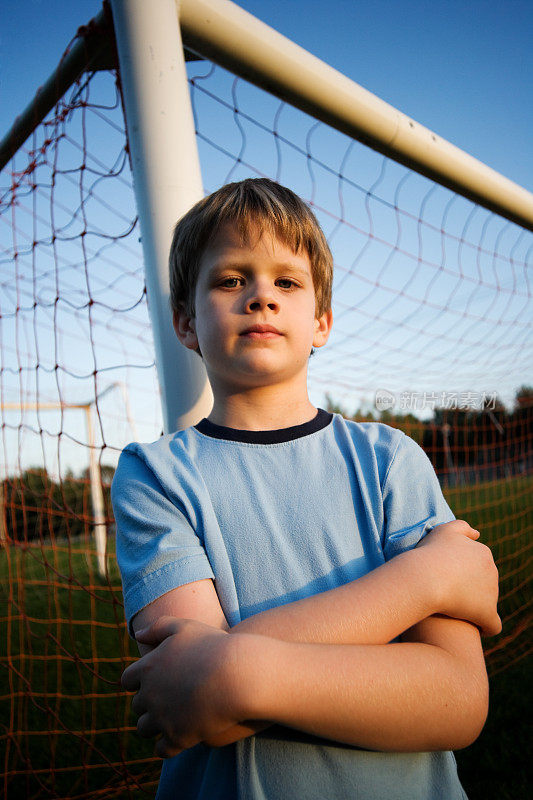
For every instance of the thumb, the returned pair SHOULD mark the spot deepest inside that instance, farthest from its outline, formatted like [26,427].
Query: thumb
[157,631]
[466,529]
[493,626]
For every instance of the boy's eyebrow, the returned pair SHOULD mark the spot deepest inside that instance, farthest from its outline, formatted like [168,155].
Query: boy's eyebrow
[244,266]
[293,268]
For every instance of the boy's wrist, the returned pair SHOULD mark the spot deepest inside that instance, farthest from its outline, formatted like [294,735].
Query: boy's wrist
[442,578]
[250,674]
[424,584]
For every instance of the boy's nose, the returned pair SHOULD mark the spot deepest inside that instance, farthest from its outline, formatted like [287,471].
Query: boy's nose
[260,299]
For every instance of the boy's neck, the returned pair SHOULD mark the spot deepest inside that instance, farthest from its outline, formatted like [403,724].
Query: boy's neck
[264,409]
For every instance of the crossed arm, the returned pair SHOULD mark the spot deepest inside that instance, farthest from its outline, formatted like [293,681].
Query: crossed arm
[323,664]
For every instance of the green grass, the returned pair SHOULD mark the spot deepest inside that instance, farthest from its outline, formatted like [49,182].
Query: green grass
[501,511]
[496,766]
[67,647]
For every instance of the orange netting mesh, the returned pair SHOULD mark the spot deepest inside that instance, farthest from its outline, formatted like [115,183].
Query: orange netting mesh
[432,334]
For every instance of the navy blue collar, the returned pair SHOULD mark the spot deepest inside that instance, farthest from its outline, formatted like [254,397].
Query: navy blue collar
[322,419]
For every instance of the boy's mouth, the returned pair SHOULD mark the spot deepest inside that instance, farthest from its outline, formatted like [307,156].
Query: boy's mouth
[261,332]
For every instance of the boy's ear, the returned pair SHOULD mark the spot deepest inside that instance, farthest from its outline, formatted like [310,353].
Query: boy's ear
[185,329]
[322,328]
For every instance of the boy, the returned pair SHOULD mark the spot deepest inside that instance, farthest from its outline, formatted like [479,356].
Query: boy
[270,528]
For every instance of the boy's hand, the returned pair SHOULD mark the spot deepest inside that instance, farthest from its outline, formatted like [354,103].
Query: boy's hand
[464,575]
[186,687]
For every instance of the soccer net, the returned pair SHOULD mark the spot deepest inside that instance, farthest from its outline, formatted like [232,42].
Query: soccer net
[432,333]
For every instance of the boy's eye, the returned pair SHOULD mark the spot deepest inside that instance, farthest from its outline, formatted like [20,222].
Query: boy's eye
[285,283]
[231,283]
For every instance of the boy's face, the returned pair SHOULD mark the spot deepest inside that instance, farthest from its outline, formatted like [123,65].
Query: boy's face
[255,308]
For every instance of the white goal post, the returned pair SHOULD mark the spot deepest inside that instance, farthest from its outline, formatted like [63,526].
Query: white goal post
[167,181]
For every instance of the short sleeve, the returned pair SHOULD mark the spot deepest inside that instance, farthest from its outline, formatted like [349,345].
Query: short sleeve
[413,502]
[157,548]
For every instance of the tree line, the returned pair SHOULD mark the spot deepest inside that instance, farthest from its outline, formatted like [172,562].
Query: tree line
[469,445]
[35,507]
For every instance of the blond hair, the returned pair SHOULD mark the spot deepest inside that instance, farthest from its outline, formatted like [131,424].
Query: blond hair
[254,201]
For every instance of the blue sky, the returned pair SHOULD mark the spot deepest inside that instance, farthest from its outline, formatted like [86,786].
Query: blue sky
[463,69]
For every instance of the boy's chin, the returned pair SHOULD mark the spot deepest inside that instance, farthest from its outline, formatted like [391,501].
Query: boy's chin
[258,376]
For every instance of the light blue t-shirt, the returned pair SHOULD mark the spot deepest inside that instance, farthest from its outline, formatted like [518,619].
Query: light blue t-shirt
[272,517]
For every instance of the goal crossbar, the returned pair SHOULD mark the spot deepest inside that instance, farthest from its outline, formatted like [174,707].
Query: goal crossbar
[237,41]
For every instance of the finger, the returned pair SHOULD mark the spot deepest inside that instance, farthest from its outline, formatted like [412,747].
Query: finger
[461,526]
[147,727]
[493,628]
[158,631]
[130,679]
[472,533]
[138,706]
[455,526]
